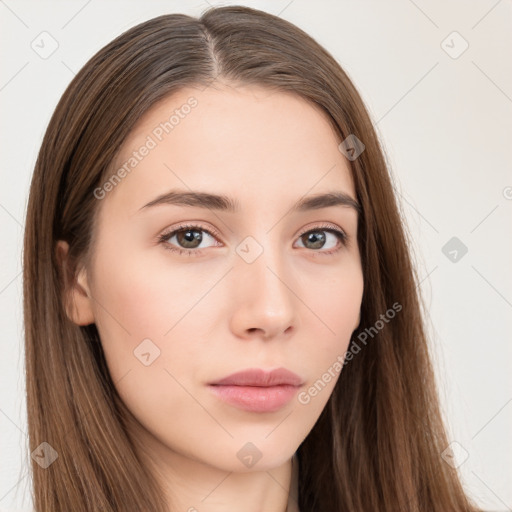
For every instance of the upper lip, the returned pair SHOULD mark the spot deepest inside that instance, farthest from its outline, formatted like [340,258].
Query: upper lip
[261,378]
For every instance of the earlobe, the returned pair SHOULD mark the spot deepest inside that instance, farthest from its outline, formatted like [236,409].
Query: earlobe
[76,294]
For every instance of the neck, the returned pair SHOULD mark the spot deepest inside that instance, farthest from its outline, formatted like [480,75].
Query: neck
[194,486]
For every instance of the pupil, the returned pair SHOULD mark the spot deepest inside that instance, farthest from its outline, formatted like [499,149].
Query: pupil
[189,237]
[317,238]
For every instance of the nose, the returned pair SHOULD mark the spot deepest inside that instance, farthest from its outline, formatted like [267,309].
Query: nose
[264,303]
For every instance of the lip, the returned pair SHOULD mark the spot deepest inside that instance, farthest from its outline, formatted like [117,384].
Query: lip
[257,390]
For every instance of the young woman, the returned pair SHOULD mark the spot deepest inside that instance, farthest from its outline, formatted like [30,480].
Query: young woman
[220,307]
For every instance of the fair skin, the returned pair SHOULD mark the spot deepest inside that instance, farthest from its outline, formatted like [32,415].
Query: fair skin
[212,314]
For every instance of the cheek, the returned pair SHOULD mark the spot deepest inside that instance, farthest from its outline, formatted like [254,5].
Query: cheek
[137,298]
[336,309]
[133,309]
[337,304]
[153,317]
[147,338]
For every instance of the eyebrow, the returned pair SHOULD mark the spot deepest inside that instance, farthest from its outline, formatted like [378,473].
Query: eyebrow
[224,203]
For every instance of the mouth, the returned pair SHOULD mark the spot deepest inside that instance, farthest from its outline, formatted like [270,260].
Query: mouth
[256,390]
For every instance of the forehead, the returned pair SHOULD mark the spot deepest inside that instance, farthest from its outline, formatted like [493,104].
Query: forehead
[254,141]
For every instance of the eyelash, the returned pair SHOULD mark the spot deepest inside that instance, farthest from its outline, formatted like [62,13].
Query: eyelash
[342,237]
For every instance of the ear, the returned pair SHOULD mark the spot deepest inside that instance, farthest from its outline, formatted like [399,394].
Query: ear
[76,293]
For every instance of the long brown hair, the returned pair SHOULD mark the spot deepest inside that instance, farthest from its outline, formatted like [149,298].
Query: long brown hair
[378,442]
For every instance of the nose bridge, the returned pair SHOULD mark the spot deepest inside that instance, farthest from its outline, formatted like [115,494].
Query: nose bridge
[262,262]
[264,298]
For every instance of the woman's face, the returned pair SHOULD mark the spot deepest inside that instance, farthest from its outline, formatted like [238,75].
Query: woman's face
[262,285]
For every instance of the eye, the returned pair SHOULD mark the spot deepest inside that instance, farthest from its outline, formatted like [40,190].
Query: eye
[317,238]
[188,239]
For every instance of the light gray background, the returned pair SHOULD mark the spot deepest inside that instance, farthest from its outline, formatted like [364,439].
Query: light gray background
[446,125]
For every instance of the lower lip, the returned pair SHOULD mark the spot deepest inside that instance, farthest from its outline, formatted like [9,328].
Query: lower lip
[256,399]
